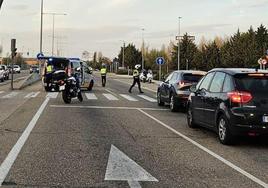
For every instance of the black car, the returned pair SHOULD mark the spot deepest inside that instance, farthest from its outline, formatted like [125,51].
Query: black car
[232,102]
[175,89]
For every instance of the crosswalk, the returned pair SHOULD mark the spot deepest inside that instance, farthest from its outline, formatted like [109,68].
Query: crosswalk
[6,95]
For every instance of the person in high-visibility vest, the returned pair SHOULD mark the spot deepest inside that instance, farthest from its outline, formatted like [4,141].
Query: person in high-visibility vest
[136,78]
[103,75]
[48,75]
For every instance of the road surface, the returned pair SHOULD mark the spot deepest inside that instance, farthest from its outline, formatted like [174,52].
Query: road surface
[116,139]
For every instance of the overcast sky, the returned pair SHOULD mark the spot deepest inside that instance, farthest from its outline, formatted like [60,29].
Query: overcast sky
[101,25]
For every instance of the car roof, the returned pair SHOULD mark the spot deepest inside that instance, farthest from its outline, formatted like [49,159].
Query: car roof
[234,71]
[191,71]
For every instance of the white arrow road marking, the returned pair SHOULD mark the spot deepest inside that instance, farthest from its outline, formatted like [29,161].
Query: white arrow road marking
[128,97]
[121,168]
[91,96]
[110,97]
[13,154]
[52,95]
[147,98]
[10,95]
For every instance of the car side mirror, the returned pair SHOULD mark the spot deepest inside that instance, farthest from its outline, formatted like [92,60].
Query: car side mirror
[193,88]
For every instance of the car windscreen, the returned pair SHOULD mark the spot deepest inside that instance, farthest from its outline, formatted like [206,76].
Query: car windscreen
[255,83]
[191,77]
[75,64]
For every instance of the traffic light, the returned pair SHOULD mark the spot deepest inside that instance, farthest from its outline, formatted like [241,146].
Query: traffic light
[1,1]
[13,48]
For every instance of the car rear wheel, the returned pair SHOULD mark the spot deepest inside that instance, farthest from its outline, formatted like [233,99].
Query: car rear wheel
[190,119]
[159,100]
[173,105]
[224,133]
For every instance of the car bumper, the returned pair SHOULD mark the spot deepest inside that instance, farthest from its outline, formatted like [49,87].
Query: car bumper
[242,126]
[182,98]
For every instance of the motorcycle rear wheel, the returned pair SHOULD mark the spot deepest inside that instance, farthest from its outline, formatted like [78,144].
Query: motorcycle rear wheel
[66,98]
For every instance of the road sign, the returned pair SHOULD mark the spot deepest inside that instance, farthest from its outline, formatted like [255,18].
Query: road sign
[40,56]
[121,168]
[160,61]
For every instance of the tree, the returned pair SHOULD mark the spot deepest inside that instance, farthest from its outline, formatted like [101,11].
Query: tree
[188,50]
[132,56]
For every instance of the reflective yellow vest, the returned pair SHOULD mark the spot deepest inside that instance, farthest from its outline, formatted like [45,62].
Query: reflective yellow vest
[49,68]
[103,71]
[136,73]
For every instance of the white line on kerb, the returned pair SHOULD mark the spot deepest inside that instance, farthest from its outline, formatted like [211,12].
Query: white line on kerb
[228,163]
[13,154]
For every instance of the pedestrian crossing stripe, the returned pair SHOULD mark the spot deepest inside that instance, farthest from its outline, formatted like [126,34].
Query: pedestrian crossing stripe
[110,97]
[128,97]
[147,98]
[32,95]
[10,95]
[91,96]
[52,95]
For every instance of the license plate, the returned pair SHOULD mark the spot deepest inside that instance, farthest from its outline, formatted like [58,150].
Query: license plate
[62,88]
[265,119]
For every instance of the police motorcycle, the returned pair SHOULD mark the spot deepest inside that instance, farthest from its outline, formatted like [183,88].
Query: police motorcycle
[70,87]
[146,76]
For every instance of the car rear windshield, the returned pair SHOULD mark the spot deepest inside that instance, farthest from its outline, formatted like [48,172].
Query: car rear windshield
[253,83]
[190,77]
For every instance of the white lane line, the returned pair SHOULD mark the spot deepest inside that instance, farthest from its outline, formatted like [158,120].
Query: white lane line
[91,96]
[32,95]
[228,163]
[109,91]
[128,97]
[13,154]
[10,95]
[110,97]
[52,95]
[108,107]
[147,98]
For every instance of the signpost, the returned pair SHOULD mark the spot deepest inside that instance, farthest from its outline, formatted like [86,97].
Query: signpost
[160,61]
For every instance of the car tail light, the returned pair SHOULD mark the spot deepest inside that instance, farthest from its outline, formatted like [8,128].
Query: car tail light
[240,97]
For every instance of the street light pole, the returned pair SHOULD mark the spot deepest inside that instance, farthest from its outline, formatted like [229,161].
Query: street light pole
[53,28]
[142,48]
[179,43]
[123,55]
[41,28]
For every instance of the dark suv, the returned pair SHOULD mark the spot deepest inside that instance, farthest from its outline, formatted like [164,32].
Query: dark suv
[232,102]
[175,90]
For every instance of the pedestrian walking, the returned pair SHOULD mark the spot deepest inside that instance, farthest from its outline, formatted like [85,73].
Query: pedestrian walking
[136,79]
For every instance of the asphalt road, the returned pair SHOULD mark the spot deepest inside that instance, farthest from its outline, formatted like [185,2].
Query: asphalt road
[116,139]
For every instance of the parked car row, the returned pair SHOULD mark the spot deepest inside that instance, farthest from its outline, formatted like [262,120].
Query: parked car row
[5,71]
[231,102]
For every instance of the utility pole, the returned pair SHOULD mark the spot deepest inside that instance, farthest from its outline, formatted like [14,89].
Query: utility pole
[41,28]
[179,43]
